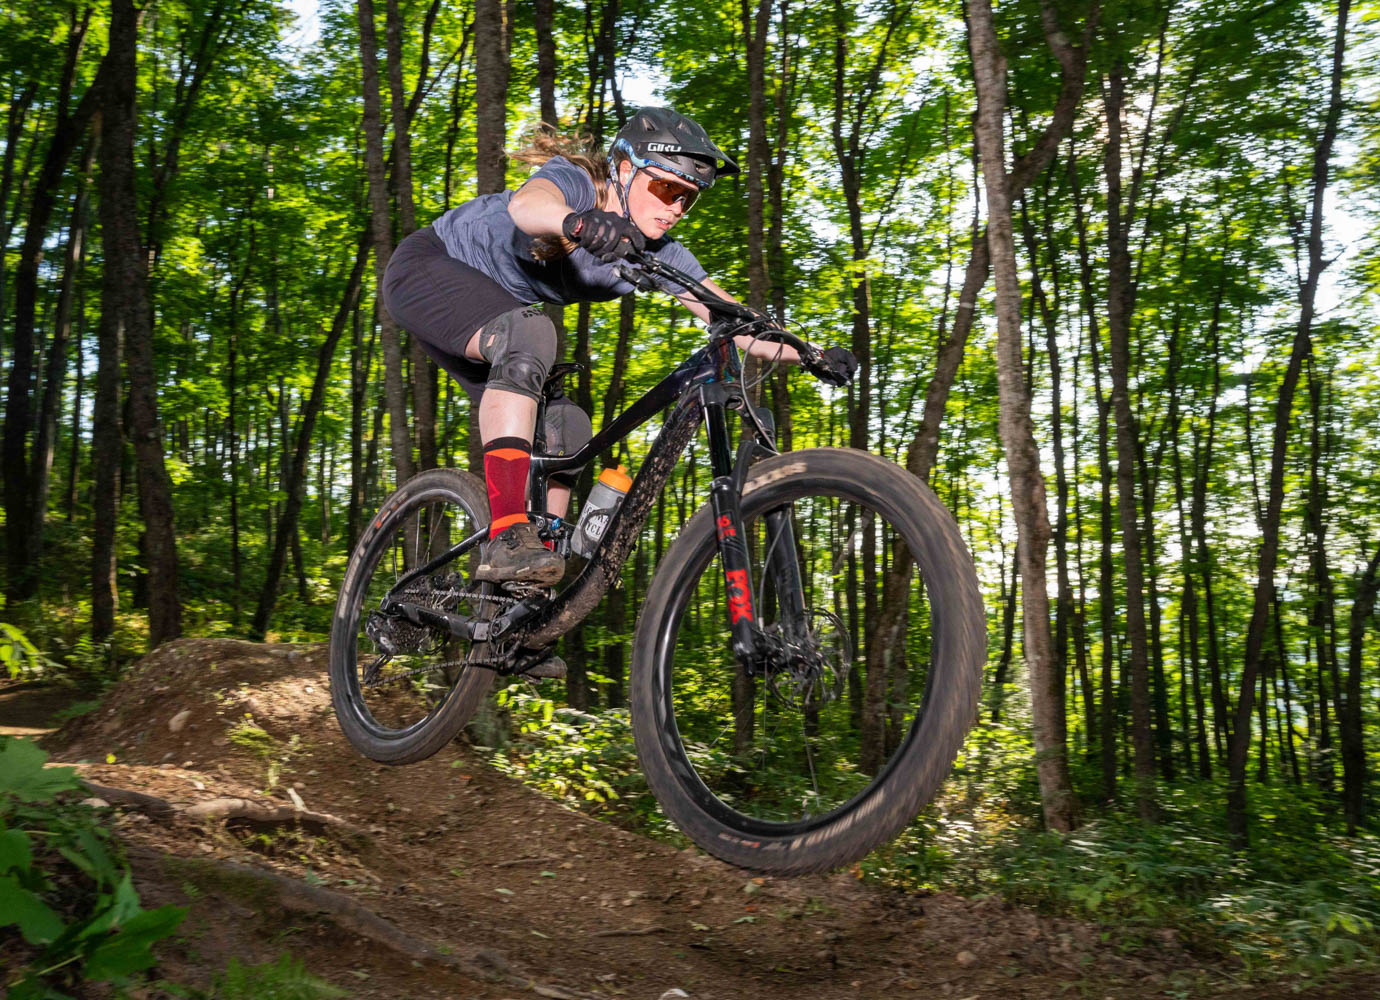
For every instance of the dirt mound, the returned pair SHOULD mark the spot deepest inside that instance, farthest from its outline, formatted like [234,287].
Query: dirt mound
[188,696]
[240,799]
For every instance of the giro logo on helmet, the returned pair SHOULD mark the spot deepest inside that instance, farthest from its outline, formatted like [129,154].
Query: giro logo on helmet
[663,147]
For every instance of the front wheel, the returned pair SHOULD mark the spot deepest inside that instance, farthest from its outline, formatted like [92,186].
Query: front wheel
[831,751]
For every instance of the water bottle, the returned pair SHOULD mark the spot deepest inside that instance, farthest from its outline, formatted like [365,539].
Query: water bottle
[598,510]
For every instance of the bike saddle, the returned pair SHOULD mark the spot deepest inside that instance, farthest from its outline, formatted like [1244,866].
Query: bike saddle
[554,386]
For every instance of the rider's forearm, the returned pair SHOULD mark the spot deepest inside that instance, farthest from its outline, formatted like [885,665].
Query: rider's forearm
[538,208]
[771,350]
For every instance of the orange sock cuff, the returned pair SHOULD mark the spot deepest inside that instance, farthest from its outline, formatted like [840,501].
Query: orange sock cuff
[498,524]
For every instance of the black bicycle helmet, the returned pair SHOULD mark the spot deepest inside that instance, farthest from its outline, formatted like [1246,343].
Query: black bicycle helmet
[673,142]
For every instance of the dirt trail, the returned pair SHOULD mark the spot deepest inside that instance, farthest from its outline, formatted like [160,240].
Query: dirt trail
[447,879]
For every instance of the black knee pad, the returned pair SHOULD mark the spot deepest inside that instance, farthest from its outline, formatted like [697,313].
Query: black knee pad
[565,429]
[521,348]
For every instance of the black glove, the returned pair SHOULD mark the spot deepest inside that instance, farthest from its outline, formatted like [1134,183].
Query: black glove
[834,365]
[603,234]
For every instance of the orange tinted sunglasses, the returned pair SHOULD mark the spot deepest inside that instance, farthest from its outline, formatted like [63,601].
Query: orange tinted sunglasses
[669,192]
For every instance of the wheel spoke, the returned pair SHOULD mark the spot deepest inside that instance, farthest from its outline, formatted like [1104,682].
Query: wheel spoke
[810,749]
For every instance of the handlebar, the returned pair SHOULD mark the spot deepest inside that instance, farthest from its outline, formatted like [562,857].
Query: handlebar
[719,307]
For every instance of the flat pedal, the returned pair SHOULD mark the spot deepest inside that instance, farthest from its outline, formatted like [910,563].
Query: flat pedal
[522,591]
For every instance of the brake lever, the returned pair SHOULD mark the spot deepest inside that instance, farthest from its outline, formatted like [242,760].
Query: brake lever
[638,278]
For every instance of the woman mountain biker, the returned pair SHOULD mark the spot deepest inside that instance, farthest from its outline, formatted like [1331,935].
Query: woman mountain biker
[465,287]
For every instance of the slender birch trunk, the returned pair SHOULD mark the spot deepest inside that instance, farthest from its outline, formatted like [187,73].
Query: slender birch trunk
[1018,439]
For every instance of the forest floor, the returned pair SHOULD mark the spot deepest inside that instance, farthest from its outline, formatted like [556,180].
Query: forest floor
[449,879]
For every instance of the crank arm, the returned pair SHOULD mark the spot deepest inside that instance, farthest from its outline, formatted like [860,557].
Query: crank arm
[463,626]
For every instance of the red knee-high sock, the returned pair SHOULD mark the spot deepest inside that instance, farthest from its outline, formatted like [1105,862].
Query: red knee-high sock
[506,461]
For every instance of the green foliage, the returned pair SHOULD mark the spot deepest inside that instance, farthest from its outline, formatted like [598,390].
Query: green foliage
[261,211]
[585,759]
[285,979]
[64,886]
[1302,898]
[259,742]
[18,656]
[247,736]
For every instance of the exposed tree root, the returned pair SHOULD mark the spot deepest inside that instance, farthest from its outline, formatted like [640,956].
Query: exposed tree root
[629,931]
[225,808]
[296,896]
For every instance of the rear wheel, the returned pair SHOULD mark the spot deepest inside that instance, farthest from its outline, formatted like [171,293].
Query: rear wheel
[836,747]
[402,691]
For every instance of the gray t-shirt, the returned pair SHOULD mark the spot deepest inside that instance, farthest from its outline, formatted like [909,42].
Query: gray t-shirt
[482,234]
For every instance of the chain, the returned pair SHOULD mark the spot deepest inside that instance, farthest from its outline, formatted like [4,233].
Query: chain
[486,663]
[432,594]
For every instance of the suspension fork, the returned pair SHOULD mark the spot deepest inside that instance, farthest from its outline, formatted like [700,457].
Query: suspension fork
[724,498]
[725,494]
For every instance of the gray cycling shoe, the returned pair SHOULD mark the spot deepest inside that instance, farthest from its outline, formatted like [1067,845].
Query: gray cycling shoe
[517,555]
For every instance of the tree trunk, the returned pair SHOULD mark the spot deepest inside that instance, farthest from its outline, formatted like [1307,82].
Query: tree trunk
[125,291]
[1119,303]
[577,670]
[233,433]
[381,227]
[233,417]
[17,111]
[491,34]
[1018,440]
[74,456]
[1008,631]
[776,244]
[50,408]
[1106,578]
[423,370]
[1269,542]
[617,603]
[354,511]
[1353,742]
[1189,620]
[546,61]
[1322,613]
[545,16]
[1064,605]
[107,451]
[1073,62]
[924,447]
[22,580]
[755,28]
[1202,556]
[848,150]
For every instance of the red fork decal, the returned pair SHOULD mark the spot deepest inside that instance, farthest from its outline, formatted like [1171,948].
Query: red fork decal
[726,529]
[739,604]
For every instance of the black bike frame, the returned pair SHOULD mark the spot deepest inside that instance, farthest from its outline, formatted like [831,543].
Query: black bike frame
[706,384]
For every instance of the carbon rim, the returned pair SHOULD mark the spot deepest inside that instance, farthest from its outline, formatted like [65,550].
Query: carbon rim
[796,773]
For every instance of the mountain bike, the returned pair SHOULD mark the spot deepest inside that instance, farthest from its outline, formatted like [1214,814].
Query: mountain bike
[808,655]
